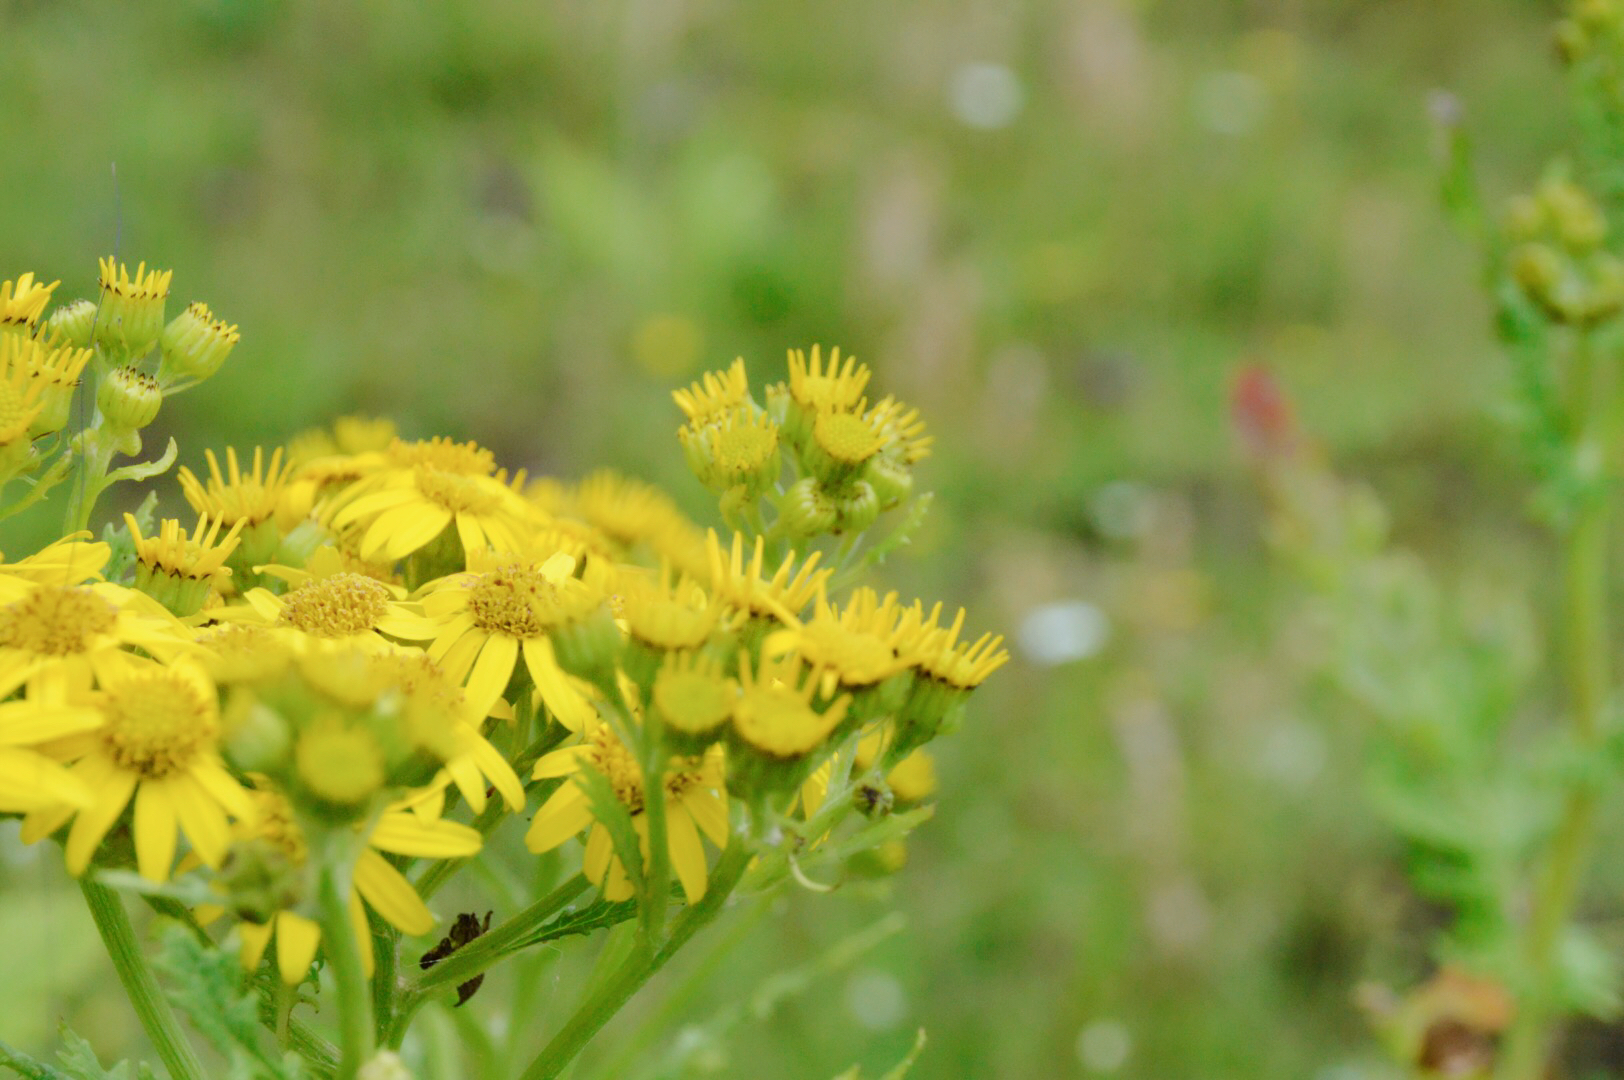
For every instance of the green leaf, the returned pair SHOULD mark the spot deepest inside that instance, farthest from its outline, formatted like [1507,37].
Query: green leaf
[210,988]
[594,917]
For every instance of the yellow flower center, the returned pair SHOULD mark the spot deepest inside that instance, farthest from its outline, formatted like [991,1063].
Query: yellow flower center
[846,437]
[778,721]
[693,701]
[665,622]
[156,724]
[607,754]
[56,620]
[339,764]
[337,606]
[517,601]
[743,448]
[459,493]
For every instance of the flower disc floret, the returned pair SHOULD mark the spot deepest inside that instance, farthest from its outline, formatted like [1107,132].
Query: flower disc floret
[337,606]
[56,620]
[158,722]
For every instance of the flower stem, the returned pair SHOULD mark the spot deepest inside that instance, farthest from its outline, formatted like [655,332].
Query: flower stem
[355,1040]
[639,967]
[486,950]
[1587,648]
[113,922]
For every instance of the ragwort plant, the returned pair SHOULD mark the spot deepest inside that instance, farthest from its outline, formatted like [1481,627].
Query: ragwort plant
[288,724]
[1500,824]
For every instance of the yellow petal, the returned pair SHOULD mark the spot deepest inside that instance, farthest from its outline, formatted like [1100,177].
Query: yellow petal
[559,762]
[26,723]
[154,831]
[491,673]
[296,941]
[391,895]
[562,816]
[465,774]
[252,939]
[201,819]
[599,849]
[407,834]
[31,781]
[709,812]
[687,855]
[499,773]
[92,823]
[566,703]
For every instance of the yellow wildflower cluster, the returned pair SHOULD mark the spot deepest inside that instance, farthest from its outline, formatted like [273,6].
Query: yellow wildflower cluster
[370,648]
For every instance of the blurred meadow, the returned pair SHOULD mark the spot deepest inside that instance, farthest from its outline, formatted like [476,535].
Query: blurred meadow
[1056,226]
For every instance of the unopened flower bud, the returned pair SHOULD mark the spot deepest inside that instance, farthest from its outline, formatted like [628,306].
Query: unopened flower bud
[195,344]
[128,399]
[72,325]
[1577,219]
[891,477]
[856,508]
[341,765]
[807,509]
[1537,268]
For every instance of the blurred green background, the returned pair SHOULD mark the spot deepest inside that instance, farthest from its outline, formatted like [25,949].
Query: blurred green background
[1057,228]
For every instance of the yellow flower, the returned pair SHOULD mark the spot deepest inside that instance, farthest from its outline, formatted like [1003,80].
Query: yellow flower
[249,497]
[858,646]
[158,744]
[425,488]
[22,400]
[486,618]
[68,561]
[693,699]
[743,584]
[665,614]
[22,302]
[328,599]
[54,371]
[733,450]
[943,657]
[195,344]
[814,386]
[132,307]
[51,634]
[775,714]
[378,884]
[178,570]
[693,797]
[717,394]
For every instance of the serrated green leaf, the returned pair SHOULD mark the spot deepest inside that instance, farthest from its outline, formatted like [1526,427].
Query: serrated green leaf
[210,988]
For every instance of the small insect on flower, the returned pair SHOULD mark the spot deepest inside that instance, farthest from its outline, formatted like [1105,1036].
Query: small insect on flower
[467,928]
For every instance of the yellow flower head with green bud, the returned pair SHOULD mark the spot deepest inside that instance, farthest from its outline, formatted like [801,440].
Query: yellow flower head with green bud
[329,597]
[695,803]
[737,449]
[132,307]
[941,656]
[425,488]
[194,346]
[776,715]
[56,369]
[180,570]
[666,613]
[22,401]
[23,301]
[745,585]
[158,744]
[857,646]
[234,494]
[717,393]
[693,697]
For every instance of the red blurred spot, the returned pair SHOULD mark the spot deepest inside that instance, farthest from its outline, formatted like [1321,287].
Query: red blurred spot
[1262,414]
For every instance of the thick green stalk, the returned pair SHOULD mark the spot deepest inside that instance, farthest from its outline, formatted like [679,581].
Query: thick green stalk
[113,922]
[1586,658]
[638,968]
[355,1037]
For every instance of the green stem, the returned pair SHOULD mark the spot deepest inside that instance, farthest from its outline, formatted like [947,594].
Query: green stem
[658,869]
[113,922]
[96,455]
[355,1038]
[1587,649]
[638,968]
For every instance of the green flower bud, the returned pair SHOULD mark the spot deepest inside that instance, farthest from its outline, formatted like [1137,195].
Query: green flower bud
[738,449]
[1537,269]
[195,344]
[807,509]
[1577,219]
[72,325]
[128,399]
[891,477]
[856,508]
